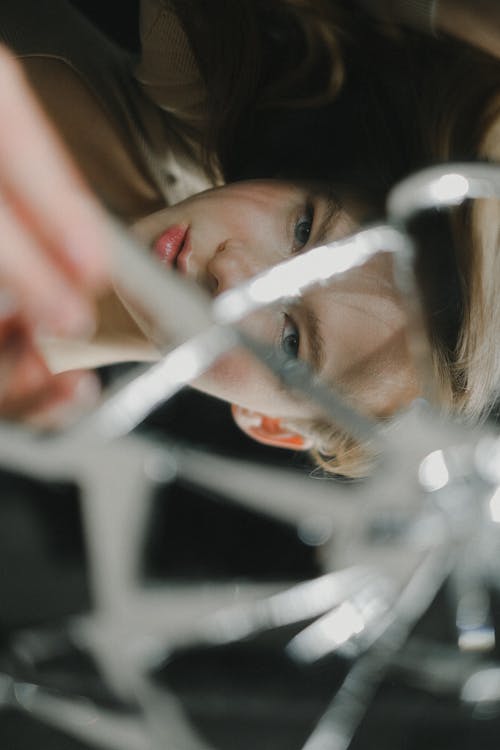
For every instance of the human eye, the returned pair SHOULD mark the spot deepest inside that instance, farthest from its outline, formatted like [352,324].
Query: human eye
[290,338]
[302,228]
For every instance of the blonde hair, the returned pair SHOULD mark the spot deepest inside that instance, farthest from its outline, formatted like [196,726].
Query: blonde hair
[467,374]
[337,452]
[404,101]
[477,366]
[467,377]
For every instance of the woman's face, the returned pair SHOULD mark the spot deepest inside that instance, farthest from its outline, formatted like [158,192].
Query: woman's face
[351,332]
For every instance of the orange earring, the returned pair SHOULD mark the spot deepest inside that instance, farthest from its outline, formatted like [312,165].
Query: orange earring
[269,430]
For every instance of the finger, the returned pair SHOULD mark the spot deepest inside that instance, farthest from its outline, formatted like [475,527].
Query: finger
[23,372]
[46,297]
[29,392]
[43,185]
[12,344]
[70,395]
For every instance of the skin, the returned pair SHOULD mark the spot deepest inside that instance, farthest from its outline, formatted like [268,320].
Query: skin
[47,219]
[59,269]
[242,229]
[51,282]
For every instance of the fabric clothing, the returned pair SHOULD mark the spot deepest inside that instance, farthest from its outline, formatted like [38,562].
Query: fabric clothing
[136,156]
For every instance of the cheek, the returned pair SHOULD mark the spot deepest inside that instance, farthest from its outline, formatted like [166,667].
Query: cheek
[238,378]
[366,338]
[233,370]
[233,376]
[383,380]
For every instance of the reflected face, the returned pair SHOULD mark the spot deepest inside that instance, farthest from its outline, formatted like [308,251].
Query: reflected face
[352,332]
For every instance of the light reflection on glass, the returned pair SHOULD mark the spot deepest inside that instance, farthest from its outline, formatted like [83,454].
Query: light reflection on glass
[433,473]
[319,265]
[495,506]
[328,633]
[482,686]
[450,188]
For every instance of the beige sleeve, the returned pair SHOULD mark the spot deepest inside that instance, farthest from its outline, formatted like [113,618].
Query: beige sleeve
[167,70]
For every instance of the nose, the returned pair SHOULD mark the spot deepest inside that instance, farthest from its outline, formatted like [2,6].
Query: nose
[232,264]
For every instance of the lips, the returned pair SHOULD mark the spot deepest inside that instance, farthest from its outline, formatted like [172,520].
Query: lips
[169,245]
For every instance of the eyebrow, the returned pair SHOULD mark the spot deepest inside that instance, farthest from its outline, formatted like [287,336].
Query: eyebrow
[315,341]
[330,216]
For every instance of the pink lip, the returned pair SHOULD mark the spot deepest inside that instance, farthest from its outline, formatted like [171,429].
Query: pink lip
[170,245]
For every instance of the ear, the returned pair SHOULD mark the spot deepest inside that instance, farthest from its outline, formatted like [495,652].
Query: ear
[270,430]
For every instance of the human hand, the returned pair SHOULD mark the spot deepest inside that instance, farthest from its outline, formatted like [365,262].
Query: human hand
[53,260]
